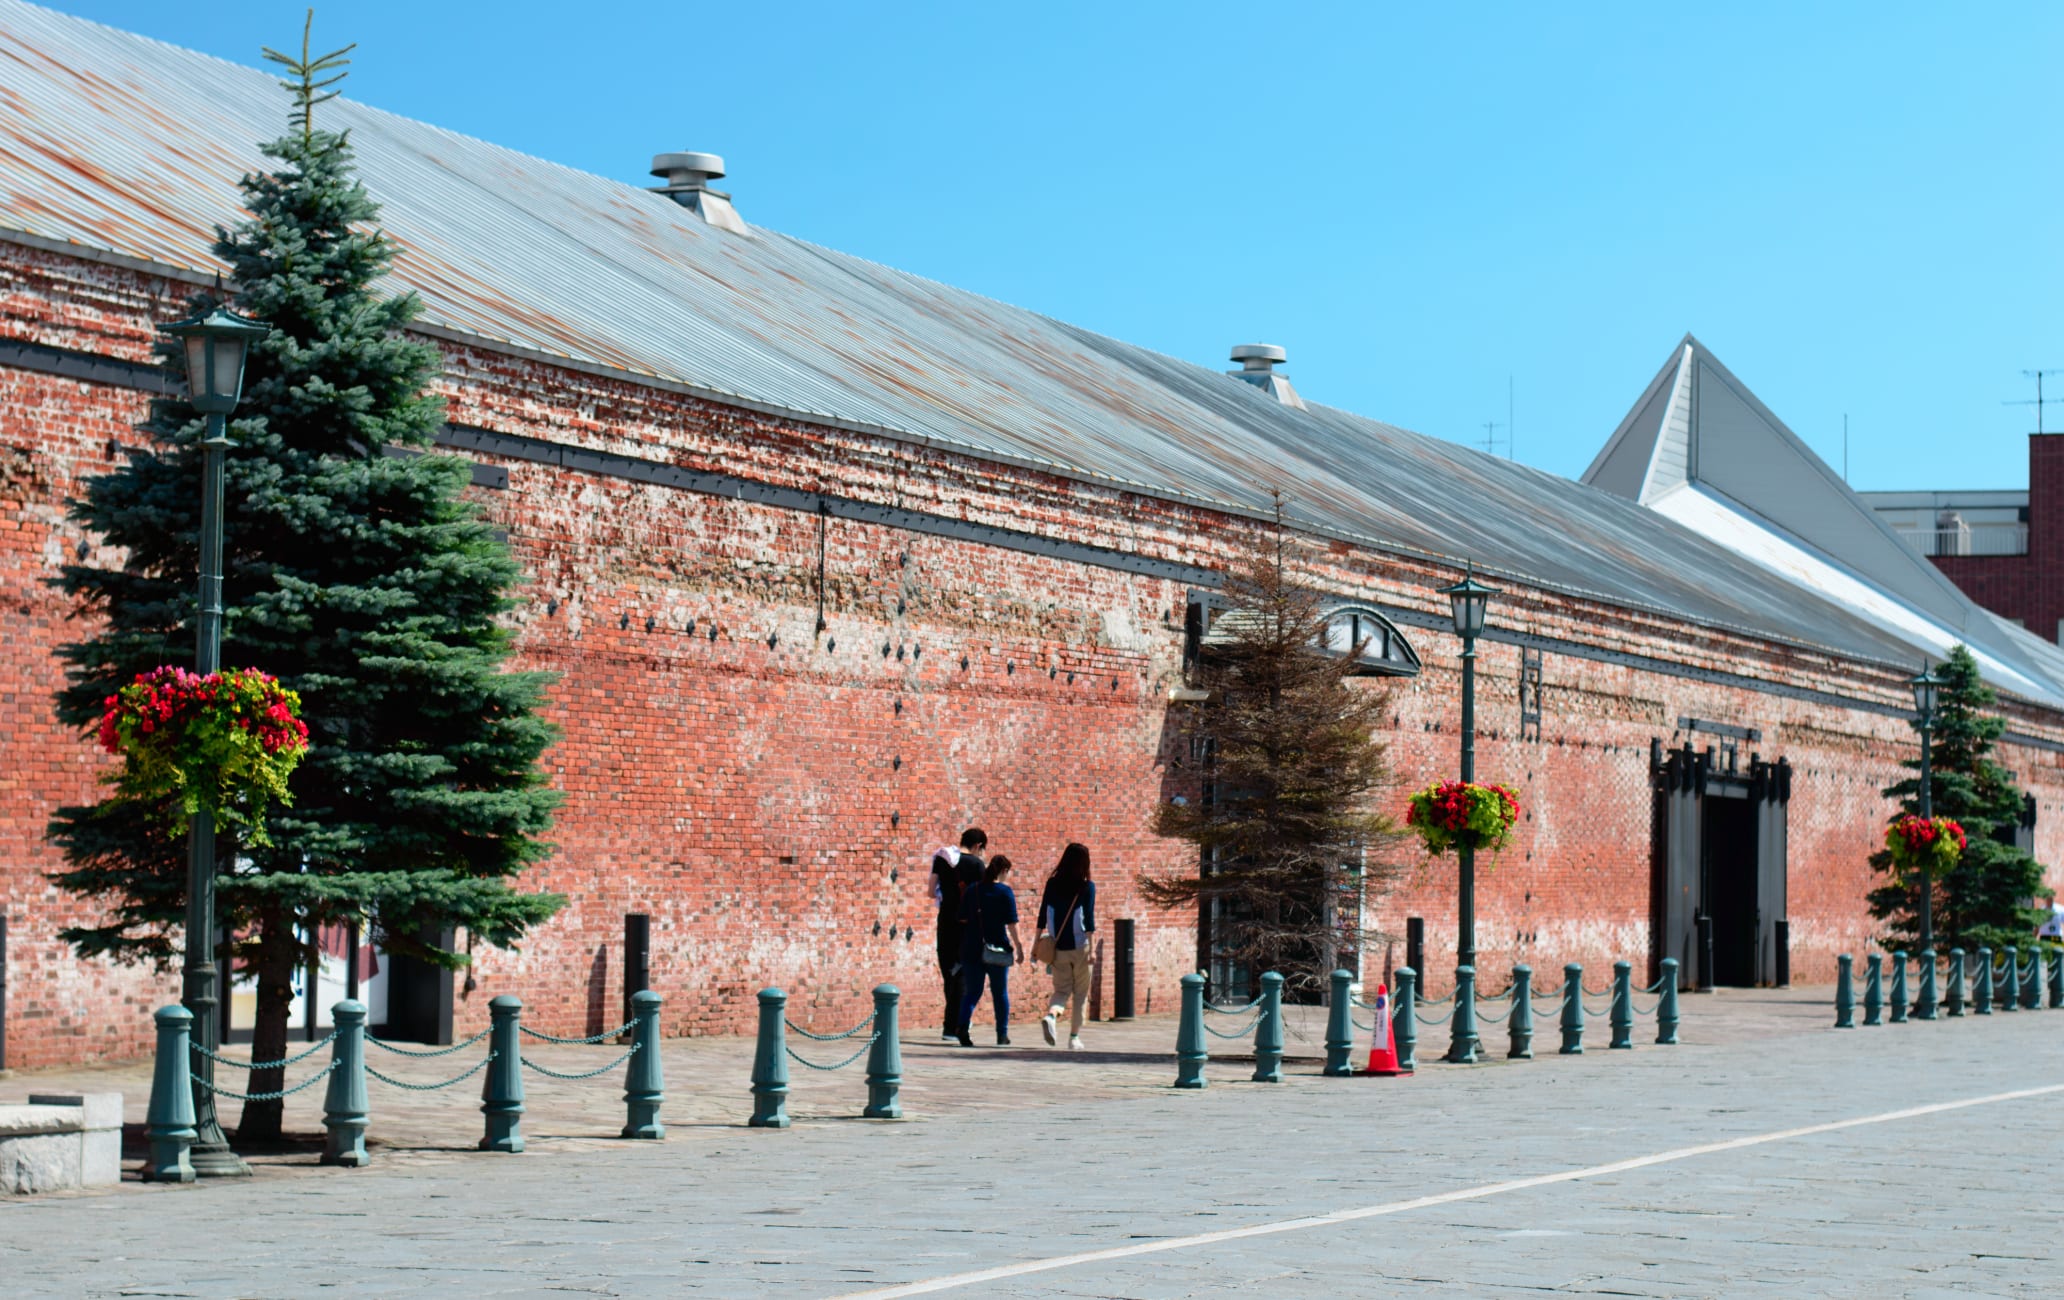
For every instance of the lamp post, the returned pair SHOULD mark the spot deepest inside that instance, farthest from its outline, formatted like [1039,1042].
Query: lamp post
[1927,689]
[1466,601]
[216,345]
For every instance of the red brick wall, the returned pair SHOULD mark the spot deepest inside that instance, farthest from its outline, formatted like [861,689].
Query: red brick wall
[770,796]
[2028,587]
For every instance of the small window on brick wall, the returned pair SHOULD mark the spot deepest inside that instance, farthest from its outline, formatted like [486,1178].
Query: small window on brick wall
[2060,631]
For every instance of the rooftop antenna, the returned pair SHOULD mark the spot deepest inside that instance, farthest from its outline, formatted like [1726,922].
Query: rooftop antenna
[1490,436]
[1509,426]
[1845,446]
[2037,376]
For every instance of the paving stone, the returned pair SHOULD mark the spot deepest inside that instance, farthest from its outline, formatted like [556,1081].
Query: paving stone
[1027,1155]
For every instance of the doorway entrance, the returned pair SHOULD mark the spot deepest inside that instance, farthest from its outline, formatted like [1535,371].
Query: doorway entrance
[1728,829]
[1718,866]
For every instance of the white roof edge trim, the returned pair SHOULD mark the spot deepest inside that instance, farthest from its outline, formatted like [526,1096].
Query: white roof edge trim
[1655,450]
[1713,516]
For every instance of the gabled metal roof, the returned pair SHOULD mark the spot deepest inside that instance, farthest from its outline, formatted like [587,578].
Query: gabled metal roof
[1702,449]
[116,142]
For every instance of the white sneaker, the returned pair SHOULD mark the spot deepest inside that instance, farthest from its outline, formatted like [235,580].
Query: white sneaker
[1074,1044]
[1046,1026]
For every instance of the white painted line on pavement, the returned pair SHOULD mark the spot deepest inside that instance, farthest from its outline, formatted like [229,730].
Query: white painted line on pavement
[1006,1271]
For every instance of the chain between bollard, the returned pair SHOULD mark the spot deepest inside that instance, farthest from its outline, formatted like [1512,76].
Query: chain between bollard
[529,1064]
[829,1068]
[618,1032]
[478,1066]
[442,1051]
[326,1040]
[828,1038]
[308,1082]
[1239,1033]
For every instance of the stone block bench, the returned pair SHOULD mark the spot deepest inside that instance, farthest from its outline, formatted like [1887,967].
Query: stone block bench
[61,1141]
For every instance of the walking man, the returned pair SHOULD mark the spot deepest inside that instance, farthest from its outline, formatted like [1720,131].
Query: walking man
[953,870]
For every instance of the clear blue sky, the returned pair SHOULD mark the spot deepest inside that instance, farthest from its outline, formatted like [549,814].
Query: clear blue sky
[1855,205]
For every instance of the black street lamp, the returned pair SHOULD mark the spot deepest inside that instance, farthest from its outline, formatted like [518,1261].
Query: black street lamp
[1466,601]
[1927,690]
[216,345]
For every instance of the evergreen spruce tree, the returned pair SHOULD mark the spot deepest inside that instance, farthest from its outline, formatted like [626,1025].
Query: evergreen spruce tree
[1286,835]
[357,573]
[1983,900]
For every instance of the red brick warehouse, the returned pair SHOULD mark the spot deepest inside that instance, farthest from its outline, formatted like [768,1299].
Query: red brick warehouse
[704,438]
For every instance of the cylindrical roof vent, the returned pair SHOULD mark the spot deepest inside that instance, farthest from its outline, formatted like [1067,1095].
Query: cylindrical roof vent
[687,176]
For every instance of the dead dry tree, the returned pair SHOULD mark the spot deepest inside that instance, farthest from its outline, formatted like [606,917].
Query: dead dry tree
[1289,838]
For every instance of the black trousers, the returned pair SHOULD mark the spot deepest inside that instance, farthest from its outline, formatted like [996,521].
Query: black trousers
[949,979]
[949,974]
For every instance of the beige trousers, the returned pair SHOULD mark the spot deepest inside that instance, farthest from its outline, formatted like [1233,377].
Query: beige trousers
[1071,986]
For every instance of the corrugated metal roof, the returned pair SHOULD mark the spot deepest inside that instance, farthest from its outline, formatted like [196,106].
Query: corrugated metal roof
[118,142]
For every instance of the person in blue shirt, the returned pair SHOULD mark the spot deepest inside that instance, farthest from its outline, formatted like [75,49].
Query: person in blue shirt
[989,944]
[1067,911]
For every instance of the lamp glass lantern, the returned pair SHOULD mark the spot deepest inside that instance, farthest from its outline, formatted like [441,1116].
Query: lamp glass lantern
[216,345]
[1927,691]
[1466,601]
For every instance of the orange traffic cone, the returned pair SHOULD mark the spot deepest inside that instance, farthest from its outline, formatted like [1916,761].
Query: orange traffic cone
[1382,1046]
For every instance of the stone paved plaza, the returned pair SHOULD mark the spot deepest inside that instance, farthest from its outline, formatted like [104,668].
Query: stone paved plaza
[1661,1171]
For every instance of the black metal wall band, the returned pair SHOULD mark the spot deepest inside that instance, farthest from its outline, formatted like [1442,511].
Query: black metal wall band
[68,363]
[143,377]
[72,364]
[638,470]
[1665,668]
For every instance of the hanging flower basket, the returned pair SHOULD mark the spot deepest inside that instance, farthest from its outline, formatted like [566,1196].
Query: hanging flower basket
[1456,814]
[225,742]
[1927,846]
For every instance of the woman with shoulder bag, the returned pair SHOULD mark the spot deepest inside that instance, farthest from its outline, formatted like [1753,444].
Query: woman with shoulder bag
[1067,917]
[989,944]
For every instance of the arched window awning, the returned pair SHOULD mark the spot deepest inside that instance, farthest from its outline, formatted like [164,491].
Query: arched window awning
[1385,652]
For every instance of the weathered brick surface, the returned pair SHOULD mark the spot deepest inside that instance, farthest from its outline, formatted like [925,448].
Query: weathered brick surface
[769,794]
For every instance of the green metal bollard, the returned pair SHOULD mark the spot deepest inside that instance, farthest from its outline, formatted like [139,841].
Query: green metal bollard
[2031,982]
[1845,996]
[770,1063]
[1464,1047]
[1898,988]
[344,1094]
[1924,1000]
[885,1056]
[2056,978]
[1953,1005]
[1404,1018]
[1521,1025]
[1622,1017]
[501,1090]
[1572,1010]
[644,1085]
[169,1124]
[1340,1027]
[1874,990]
[2010,992]
[1666,1006]
[1268,1031]
[1191,1051]
[1981,987]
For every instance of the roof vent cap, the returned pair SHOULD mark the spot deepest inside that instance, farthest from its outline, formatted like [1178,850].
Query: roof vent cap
[687,176]
[687,168]
[1258,362]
